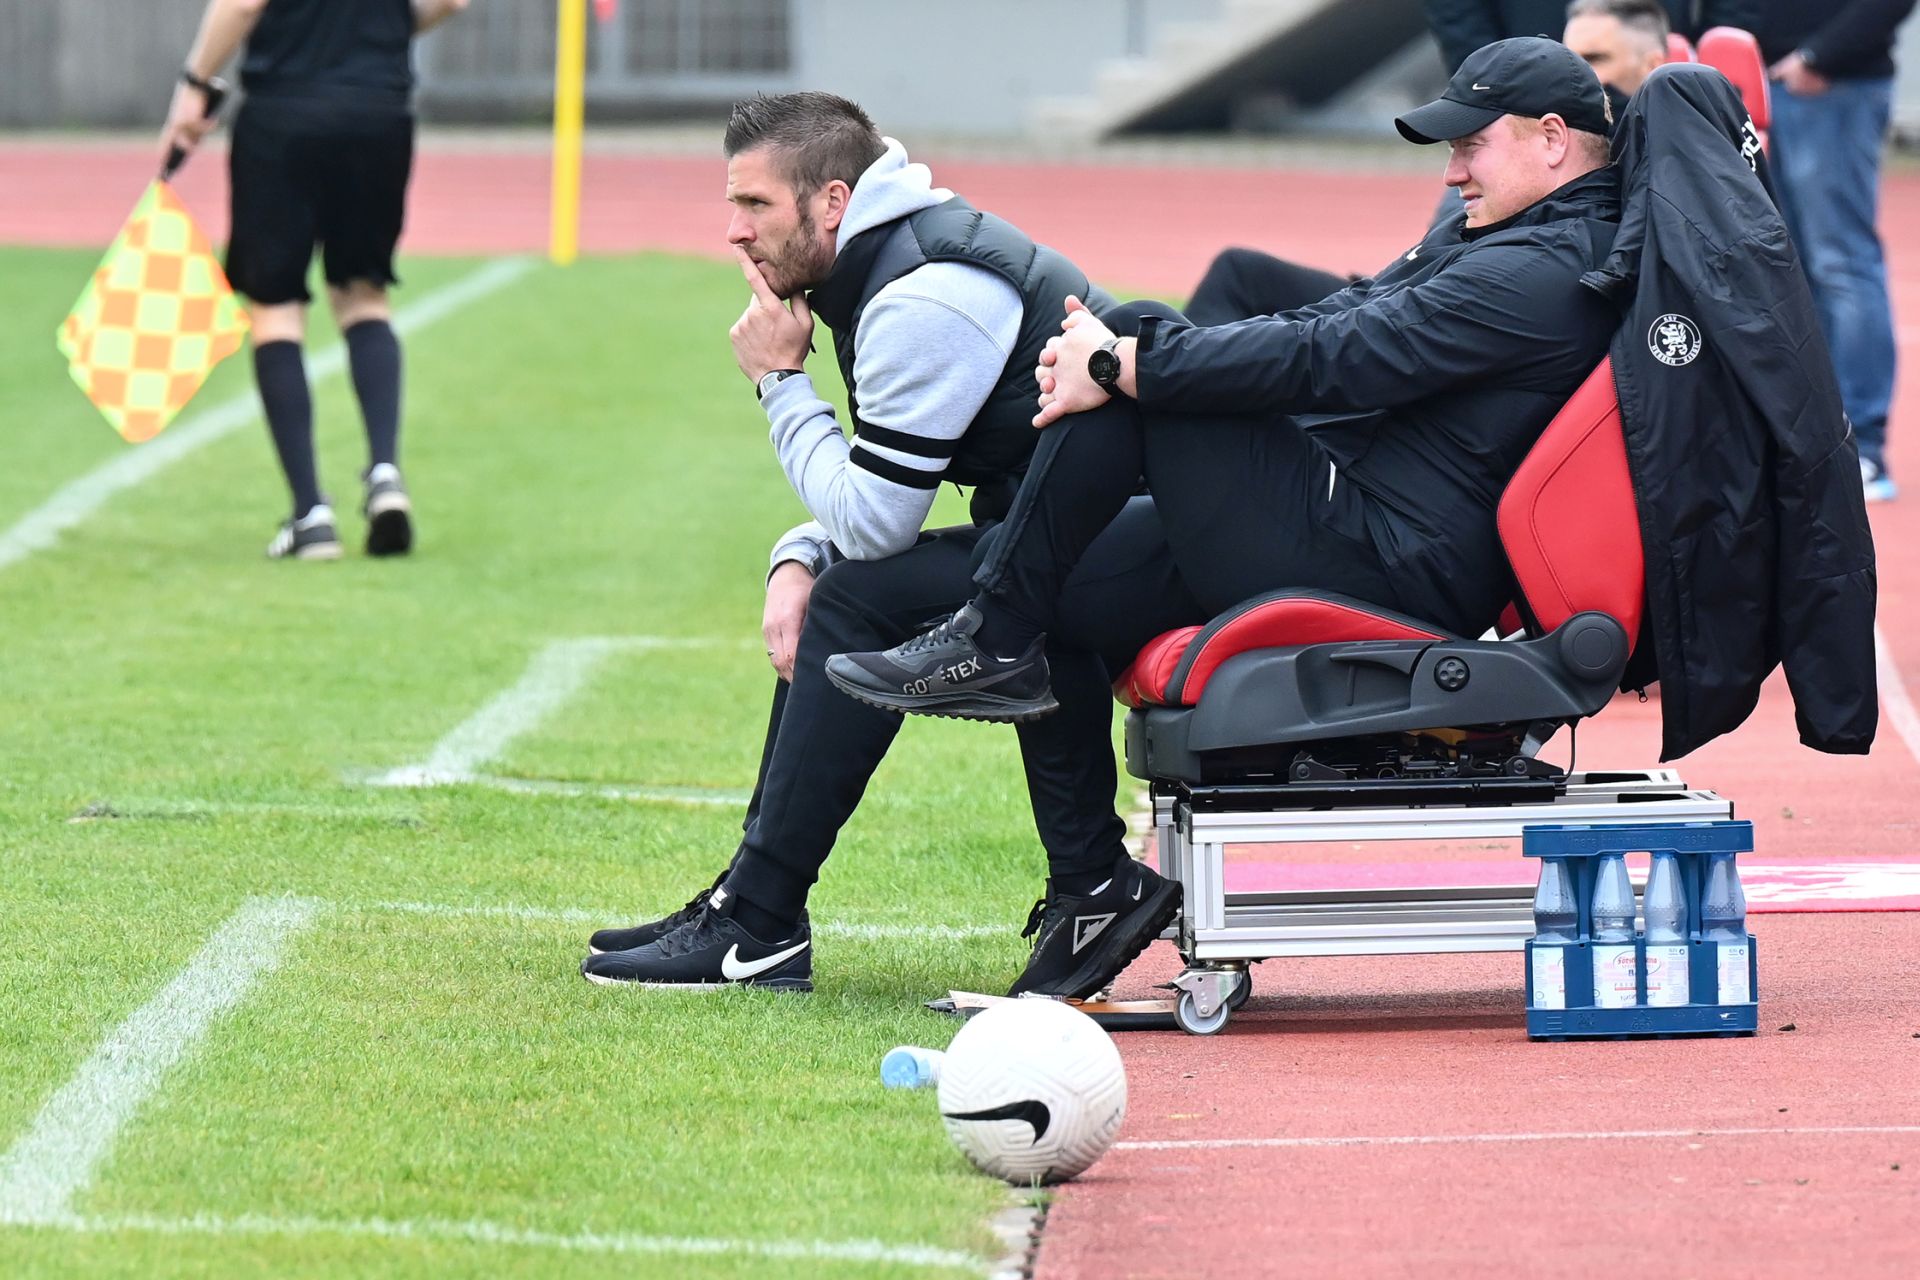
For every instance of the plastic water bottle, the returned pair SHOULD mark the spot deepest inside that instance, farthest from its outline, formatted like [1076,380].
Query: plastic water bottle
[1556,923]
[1723,922]
[909,1066]
[1615,982]
[1666,913]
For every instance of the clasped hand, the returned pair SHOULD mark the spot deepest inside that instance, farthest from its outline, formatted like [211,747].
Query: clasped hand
[768,335]
[1065,385]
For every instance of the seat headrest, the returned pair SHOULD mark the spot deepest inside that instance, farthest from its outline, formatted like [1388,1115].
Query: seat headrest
[1735,54]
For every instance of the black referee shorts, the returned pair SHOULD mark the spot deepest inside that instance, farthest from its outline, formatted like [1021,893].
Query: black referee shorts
[306,173]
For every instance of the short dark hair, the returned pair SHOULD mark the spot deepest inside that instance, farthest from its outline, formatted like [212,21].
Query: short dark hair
[817,137]
[1648,17]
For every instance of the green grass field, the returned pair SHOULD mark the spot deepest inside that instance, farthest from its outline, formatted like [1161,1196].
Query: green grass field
[425,1086]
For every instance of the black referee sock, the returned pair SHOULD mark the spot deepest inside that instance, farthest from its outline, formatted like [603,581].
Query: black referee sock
[373,353]
[282,375]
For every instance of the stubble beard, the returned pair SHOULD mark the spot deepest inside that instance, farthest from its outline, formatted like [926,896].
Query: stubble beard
[808,262]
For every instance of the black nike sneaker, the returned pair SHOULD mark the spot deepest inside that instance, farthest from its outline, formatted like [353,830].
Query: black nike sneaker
[1080,944]
[640,935]
[709,951]
[944,673]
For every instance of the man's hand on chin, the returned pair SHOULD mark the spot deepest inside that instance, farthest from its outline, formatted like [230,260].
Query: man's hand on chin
[769,335]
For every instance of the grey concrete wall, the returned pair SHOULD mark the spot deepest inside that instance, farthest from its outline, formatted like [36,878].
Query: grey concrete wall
[91,62]
[970,68]
[1906,90]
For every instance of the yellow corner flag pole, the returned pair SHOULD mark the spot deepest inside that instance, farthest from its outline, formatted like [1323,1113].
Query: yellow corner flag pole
[569,115]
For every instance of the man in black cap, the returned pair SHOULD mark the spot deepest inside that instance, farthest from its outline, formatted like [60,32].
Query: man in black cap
[1358,445]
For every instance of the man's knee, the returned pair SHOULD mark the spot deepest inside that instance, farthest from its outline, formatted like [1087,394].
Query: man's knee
[1125,318]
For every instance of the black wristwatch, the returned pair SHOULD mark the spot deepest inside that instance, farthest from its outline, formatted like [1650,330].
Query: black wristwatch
[205,84]
[771,379]
[214,87]
[1103,366]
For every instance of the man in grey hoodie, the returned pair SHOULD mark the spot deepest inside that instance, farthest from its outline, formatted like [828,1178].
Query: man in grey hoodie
[938,313]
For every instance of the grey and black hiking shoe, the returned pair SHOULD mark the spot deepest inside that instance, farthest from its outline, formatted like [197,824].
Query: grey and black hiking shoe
[944,673]
[310,537]
[389,512]
[1080,944]
[639,935]
[709,951]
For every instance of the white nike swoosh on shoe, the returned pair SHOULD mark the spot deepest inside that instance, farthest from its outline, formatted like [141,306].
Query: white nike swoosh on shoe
[734,969]
[1138,885]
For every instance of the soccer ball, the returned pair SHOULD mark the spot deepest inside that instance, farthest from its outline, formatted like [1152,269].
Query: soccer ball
[1032,1091]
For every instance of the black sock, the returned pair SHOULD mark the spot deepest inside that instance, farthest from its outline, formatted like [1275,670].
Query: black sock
[1080,884]
[1003,633]
[763,923]
[282,374]
[373,353]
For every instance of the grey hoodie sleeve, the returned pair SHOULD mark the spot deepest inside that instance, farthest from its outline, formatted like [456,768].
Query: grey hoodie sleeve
[806,544]
[932,346]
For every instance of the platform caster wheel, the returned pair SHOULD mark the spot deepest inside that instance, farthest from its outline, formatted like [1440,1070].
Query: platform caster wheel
[1242,992]
[1186,1015]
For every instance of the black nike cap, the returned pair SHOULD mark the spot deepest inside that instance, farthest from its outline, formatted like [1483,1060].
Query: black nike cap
[1528,76]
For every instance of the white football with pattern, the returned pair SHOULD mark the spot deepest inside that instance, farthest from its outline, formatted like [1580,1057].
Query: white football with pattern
[1033,1091]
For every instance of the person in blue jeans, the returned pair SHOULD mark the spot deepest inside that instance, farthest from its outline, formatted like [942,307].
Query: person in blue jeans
[1832,68]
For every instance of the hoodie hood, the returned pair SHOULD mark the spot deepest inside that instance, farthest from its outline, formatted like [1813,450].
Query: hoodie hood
[892,187]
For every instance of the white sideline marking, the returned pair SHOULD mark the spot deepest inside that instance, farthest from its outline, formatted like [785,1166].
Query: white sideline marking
[579,915]
[555,674]
[1893,695]
[74,501]
[55,1159]
[489,1233]
[1430,1140]
[600,790]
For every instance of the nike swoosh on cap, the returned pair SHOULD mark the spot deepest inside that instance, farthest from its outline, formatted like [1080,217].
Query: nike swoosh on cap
[1483,86]
[734,969]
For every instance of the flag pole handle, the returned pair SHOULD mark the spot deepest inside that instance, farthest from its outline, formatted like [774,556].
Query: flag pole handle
[216,93]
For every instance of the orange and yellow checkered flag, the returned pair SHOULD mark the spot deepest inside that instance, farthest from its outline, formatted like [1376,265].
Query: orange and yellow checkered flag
[155,319]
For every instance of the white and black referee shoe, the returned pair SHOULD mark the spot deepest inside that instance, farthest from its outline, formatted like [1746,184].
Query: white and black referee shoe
[709,951]
[310,537]
[389,512]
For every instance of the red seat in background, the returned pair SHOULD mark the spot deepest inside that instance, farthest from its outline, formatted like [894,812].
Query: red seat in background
[1735,54]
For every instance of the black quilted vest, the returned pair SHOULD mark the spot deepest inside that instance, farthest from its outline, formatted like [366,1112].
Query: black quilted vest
[992,453]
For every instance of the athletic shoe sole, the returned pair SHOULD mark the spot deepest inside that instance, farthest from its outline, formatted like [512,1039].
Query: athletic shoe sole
[1111,958]
[389,531]
[792,986]
[318,551]
[953,706]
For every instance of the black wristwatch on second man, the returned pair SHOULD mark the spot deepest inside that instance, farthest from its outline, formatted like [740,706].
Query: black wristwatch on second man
[1103,366]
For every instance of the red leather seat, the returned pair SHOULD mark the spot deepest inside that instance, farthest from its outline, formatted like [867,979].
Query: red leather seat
[1569,526]
[1735,54]
[1678,50]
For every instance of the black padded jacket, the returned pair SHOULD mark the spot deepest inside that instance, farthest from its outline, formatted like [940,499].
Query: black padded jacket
[1426,384]
[1744,467]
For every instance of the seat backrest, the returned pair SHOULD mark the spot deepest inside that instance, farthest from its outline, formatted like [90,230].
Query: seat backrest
[1678,50]
[1735,54]
[1568,519]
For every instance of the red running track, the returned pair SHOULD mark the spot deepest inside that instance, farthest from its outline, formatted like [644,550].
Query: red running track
[1411,1129]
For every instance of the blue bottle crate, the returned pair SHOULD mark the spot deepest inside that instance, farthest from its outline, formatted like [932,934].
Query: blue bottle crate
[1707,1011]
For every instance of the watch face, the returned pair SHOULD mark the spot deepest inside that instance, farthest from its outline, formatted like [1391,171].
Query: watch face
[1103,366]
